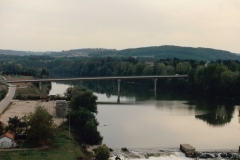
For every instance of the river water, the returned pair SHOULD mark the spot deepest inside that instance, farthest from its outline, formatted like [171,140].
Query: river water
[149,125]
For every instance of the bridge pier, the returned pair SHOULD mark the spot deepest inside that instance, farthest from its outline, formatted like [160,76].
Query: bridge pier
[155,88]
[119,81]
[155,84]
[40,85]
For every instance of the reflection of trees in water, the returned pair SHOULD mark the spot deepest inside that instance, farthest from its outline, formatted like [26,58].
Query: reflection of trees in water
[239,115]
[219,113]
[140,89]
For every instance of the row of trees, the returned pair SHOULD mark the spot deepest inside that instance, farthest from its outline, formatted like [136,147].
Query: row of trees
[83,121]
[215,79]
[82,115]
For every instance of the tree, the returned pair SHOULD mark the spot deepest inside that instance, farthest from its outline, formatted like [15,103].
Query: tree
[82,118]
[148,70]
[41,125]
[102,153]
[183,67]
[2,129]
[233,66]
[169,70]
[81,97]
[85,125]
[17,125]
[160,68]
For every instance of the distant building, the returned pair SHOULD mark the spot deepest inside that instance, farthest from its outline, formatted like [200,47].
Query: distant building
[61,104]
[7,140]
[206,64]
[150,63]
[61,108]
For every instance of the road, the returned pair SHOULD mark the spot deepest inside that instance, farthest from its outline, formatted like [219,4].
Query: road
[99,78]
[5,102]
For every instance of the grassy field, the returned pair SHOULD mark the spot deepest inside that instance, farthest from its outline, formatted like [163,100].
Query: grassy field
[63,149]
[30,91]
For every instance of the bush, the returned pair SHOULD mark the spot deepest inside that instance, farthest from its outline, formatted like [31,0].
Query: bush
[102,153]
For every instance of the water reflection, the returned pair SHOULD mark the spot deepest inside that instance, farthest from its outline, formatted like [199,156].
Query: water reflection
[214,112]
[171,119]
[219,113]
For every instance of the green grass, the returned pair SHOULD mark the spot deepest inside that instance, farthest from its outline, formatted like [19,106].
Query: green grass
[32,91]
[62,149]
[17,76]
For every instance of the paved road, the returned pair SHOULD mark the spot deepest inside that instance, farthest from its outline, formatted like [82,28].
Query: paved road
[5,102]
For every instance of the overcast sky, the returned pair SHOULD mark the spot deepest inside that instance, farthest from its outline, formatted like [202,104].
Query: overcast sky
[55,25]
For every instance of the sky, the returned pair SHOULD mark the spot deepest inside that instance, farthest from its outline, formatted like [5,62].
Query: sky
[56,25]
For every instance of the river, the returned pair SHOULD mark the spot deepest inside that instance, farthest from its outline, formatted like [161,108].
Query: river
[150,125]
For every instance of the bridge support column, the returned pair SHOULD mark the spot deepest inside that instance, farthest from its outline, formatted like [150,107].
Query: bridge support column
[155,85]
[118,100]
[40,85]
[155,88]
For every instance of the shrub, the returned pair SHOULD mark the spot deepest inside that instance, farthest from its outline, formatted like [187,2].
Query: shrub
[102,153]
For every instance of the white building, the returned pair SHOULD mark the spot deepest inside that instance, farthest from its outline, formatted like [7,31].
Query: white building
[150,63]
[7,140]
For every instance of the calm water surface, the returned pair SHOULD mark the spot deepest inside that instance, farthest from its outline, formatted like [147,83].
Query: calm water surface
[165,124]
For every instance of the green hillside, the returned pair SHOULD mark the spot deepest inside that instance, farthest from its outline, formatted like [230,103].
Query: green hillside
[153,53]
[146,53]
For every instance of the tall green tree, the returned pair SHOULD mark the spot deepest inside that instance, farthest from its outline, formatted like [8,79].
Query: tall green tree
[41,125]
[2,129]
[183,67]
[81,97]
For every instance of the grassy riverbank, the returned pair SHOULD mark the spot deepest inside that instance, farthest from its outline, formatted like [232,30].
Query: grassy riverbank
[62,149]
[32,92]
[3,91]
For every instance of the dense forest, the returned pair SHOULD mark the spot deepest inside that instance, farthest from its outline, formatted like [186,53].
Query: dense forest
[219,78]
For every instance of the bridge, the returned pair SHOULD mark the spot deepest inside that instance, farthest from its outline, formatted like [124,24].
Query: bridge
[118,78]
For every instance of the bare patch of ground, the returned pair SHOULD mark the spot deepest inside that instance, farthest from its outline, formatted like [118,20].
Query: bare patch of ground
[13,78]
[20,108]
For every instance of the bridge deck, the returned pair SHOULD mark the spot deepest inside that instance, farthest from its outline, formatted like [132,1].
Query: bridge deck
[97,78]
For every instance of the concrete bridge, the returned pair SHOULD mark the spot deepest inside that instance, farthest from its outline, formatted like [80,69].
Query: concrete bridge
[118,78]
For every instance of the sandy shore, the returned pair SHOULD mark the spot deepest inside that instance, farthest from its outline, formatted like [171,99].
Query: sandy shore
[20,108]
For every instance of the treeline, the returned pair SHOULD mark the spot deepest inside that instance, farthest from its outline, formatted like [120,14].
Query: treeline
[216,79]
[17,66]
[220,77]
[120,67]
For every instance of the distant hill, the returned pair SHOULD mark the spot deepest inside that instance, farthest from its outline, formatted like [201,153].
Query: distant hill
[146,53]
[79,52]
[155,53]
[20,53]
[160,52]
